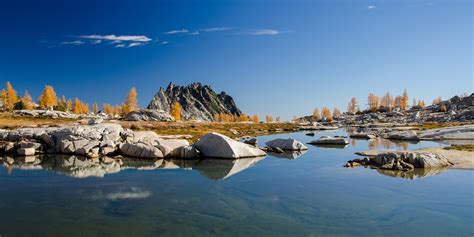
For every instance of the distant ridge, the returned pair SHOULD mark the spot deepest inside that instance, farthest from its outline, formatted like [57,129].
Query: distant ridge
[197,101]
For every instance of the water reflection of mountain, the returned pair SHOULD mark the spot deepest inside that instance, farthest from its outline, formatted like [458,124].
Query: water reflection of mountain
[288,154]
[81,167]
[413,174]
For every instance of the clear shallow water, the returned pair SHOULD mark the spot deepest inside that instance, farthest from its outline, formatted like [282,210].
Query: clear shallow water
[312,195]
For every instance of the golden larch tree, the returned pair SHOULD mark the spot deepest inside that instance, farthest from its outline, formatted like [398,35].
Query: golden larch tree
[268,119]
[373,102]
[216,117]
[95,108]
[28,101]
[123,110]
[326,114]
[9,97]
[255,118]
[404,104]
[421,103]
[176,111]
[131,100]
[443,108]
[48,98]
[69,105]
[437,100]
[336,112]
[85,108]
[316,114]
[116,110]
[353,106]
[398,102]
[77,107]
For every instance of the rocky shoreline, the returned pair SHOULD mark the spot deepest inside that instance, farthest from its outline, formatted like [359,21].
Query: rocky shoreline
[99,140]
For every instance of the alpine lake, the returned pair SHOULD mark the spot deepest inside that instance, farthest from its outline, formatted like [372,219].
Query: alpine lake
[297,194]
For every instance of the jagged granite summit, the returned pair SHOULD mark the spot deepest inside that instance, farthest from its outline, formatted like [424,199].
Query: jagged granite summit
[197,101]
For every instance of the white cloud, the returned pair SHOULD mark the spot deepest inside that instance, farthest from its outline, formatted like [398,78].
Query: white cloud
[117,38]
[96,42]
[194,33]
[177,32]
[120,46]
[134,44]
[123,194]
[75,42]
[164,42]
[371,7]
[213,29]
[265,32]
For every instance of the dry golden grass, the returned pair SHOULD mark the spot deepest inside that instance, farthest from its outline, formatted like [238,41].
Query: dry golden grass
[195,129]
[8,121]
[469,147]
[426,126]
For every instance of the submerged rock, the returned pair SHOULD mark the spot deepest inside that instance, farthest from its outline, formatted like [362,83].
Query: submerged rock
[288,144]
[220,146]
[363,135]
[402,135]
[402,160]
[327,140]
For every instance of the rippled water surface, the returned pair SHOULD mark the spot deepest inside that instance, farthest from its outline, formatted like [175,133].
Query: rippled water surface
[285,195]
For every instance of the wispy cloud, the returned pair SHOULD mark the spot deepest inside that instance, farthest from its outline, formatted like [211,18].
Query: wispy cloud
[130,45]
[173,32]
[75,42]
[214,29]
[164,42]
[194,33]
[371,7]
[118,38]
[265,32]
[123,194]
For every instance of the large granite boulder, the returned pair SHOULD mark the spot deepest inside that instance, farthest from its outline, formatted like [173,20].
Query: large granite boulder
[402,135]
[45,114]
[149,115]
[219,146]
[288,144]
[140,150]
[450,133]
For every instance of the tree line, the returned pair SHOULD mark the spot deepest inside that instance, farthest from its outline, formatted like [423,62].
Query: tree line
[49,100]
[375,103]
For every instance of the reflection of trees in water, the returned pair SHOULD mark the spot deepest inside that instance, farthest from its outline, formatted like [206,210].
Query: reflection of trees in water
[374,144]
[386,144]
[353,142]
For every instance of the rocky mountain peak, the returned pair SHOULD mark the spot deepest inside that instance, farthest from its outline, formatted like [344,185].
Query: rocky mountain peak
[197,101]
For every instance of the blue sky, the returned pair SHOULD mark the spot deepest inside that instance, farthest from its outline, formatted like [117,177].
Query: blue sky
[274,57]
